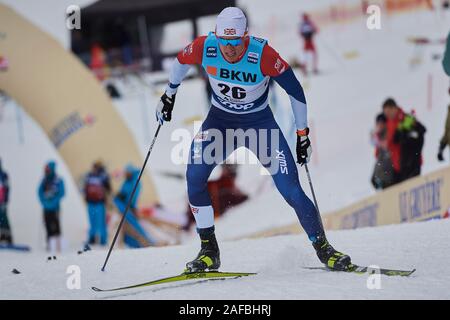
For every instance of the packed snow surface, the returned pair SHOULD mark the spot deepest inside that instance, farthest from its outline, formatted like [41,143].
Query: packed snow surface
[279,262]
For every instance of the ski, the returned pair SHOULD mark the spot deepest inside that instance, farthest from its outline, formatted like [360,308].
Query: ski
[362,270]
[15,247]
[182,277]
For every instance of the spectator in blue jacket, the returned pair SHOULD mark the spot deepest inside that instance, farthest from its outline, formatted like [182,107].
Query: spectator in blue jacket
[51,191]
[96,189]
[134,235]
[5,230]
[121,199]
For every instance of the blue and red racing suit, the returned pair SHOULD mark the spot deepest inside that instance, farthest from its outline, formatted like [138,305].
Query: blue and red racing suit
[240,103]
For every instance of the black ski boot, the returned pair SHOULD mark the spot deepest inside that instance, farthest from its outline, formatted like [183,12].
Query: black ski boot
[209,256]
[332,258]
[5,237]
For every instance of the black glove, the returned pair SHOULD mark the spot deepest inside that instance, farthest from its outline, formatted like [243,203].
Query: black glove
[440,155]
[304,149]
[164,108]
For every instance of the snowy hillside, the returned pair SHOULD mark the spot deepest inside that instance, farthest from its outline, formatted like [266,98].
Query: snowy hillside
[279,262]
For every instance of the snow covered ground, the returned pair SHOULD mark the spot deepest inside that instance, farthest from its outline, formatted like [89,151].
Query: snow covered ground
[279,262]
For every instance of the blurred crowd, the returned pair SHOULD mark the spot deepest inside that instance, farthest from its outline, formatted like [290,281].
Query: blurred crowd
[100,55]
[102,204]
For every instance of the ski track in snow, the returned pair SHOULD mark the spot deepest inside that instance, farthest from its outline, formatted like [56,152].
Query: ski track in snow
[277,260]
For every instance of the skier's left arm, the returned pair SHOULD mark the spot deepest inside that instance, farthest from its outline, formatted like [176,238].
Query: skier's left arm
[279,70]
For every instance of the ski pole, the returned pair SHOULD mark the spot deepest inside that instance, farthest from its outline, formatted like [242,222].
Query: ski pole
[313,194]
[130,199]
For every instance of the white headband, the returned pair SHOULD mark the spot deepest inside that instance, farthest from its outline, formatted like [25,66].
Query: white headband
[231,22]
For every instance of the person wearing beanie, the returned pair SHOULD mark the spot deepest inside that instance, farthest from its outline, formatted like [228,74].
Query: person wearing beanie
[308,31]
[239,67]
[383,172]
[405,139]
[96,189]
[51,191]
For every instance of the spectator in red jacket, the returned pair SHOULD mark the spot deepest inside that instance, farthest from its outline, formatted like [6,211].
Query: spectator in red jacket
[394,115]
[405,140]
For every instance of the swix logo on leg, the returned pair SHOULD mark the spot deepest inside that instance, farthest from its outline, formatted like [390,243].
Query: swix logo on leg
[282,160]
[237,75]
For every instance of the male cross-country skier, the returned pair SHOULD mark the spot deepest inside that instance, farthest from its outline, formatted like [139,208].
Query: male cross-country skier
[239,68]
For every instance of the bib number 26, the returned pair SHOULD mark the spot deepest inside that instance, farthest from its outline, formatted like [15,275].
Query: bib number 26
[236,92]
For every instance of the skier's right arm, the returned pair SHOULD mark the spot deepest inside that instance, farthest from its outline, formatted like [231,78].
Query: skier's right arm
[191,54]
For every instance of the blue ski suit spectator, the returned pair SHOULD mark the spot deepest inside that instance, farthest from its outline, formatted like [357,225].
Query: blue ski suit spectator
[96,189]
[134,235]
[121,199]
[51,191]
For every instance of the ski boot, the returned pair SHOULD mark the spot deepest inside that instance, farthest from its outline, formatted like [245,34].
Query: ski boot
[332,258]
[5,237]
[208,258]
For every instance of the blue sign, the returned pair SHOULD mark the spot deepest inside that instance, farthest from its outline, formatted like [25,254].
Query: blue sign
[68,126]
[421,201]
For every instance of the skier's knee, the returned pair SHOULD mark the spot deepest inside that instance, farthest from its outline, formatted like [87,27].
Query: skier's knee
[195,175]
